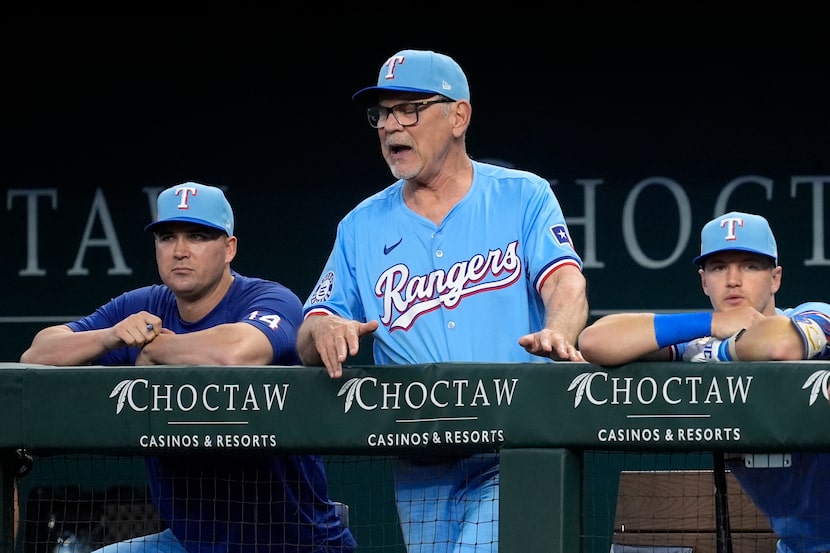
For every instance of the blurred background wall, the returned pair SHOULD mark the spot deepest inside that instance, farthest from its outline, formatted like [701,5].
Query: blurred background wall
[646,127]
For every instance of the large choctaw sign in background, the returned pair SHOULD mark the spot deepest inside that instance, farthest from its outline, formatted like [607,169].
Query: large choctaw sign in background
[646,128]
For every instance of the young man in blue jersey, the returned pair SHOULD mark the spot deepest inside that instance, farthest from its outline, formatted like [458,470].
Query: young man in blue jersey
[739,271]
[456,261]
[205,313]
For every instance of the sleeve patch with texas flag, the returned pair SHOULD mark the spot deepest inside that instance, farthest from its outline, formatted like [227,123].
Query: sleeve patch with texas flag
[561,234]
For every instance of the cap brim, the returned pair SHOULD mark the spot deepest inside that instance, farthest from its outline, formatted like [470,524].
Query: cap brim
[153,226]
[365,93]
[701,258]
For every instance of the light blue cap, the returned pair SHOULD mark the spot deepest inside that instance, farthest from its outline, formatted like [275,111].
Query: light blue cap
[737,231]
[420,71]
[191,202]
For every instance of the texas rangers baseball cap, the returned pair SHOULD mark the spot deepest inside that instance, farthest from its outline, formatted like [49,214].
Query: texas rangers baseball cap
[420,71]
[191,202]
[737,231]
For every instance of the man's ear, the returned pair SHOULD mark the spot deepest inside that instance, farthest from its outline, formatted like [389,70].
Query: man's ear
[462,113]
[703,285]
[777,275]
[230,248]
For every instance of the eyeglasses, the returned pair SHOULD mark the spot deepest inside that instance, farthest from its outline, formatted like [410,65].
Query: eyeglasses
[405,114]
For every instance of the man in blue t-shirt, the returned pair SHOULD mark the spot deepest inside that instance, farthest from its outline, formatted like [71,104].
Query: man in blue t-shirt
[739,272]
[205,313]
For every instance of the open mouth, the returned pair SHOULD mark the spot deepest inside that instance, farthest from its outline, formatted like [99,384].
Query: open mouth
[398,148]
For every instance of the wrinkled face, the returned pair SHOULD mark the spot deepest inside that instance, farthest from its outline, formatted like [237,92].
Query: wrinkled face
[415,132]
[192,258]
[734,279]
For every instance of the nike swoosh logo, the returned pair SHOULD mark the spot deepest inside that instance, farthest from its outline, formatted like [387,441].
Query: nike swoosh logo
[387,249]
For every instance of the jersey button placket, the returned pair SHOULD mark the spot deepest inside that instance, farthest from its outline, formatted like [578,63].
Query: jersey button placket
[439,253]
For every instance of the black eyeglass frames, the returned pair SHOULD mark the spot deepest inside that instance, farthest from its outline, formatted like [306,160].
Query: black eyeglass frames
[406,114]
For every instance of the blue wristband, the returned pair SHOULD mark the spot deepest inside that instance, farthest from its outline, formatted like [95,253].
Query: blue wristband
[723,350]
[677,328]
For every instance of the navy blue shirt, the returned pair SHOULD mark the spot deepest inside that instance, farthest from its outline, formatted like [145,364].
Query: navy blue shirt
[245,503]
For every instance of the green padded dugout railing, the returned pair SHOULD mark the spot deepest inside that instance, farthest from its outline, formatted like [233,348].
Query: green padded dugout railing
[538,416]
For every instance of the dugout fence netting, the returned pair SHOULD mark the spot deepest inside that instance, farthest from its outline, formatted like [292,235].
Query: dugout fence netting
[77,503]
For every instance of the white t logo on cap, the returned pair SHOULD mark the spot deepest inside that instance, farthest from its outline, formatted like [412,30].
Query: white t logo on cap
[184,193]
[731,224]
[391,64]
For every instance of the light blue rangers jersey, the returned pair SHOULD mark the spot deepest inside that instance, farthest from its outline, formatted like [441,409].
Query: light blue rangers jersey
[464,290]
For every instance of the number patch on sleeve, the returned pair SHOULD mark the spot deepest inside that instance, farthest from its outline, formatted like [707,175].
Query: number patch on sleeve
[273,321]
